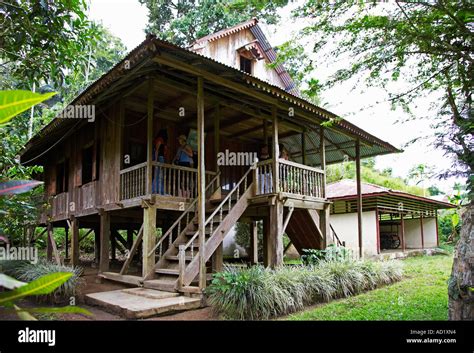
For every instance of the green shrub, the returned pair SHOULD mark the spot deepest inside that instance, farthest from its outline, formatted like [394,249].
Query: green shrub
[258,293]
[346,276]
[331,253]
[13,268]
[246,294]
[29,272]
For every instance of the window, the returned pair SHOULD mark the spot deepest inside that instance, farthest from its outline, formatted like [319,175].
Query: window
[87,164]
[245,64]
[62,176]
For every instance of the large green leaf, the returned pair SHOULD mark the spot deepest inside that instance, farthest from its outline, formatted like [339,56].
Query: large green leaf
[15,102]
[24,315]
[70,309]
[43,285]
[9,282]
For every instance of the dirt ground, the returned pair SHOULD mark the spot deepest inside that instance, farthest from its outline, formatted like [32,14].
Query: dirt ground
[91,284]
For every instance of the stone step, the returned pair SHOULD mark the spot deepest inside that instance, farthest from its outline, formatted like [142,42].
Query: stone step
[149,293]
[145,304]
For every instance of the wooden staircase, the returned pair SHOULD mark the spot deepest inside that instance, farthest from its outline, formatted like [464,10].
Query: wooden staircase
[178,250]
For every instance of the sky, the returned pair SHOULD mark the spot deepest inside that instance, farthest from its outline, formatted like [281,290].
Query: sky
[127,20]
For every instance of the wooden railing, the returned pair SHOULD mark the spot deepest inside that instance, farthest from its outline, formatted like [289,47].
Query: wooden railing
[264,177]
[300,179]
[59,204]
[335,238]
[294,178]
[133,182]
[180,225]
[176,181]
[167,180]
[87,195]
[213,221]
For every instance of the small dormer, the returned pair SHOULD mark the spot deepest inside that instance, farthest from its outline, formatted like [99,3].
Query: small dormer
[249,54]
[246,48]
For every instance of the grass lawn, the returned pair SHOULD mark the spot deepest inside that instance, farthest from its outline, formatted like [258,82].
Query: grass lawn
[421,295]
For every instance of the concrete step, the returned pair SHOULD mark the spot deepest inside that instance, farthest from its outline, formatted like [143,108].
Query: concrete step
[141,303]
[149,293]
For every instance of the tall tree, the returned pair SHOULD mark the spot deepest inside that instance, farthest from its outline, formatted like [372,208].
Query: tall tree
[50,45]
[431,45]
[41,39]
[183,21]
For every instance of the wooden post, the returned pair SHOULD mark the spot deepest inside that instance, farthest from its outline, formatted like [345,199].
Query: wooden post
[113,245]
[377,222]
[275,238]
[324,221]
[276,151]
[104,241]
[322,157]
[437,234]
[422,235]
[181,265]
[265,132]
[66,243]
[303,147]
[266,236]
[149,240]
[217,142]
[402,224]
[359,198]
[325,226]
[218,259]
[201,183]
[149,149]
[74,241]
[253,243]
[49,246]
[96,245]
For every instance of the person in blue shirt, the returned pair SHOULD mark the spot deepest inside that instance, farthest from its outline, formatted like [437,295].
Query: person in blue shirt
[184,155]
[184,158]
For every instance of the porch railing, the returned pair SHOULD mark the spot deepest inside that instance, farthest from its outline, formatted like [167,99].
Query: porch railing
[133,182]
[167,180]
[294,178]
[301,179]
[59,204]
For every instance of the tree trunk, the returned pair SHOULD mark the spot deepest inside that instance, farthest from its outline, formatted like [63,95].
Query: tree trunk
[461,282]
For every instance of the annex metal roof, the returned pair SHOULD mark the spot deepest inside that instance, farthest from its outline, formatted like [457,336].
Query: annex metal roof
[346,190]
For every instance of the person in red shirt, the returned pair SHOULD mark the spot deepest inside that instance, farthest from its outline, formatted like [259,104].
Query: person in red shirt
[160,152]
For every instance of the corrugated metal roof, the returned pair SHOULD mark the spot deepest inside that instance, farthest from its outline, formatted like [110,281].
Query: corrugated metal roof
[347,189]
[152,47]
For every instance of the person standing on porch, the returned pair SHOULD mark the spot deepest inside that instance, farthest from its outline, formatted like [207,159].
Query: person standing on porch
[160,150]
[184,158]
[265,181]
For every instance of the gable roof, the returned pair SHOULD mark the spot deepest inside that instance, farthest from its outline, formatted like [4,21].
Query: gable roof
[138,64]
[267,50]
[227,31]
[346,189]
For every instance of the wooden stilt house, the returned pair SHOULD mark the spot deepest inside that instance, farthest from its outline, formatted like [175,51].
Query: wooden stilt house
[101,173]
